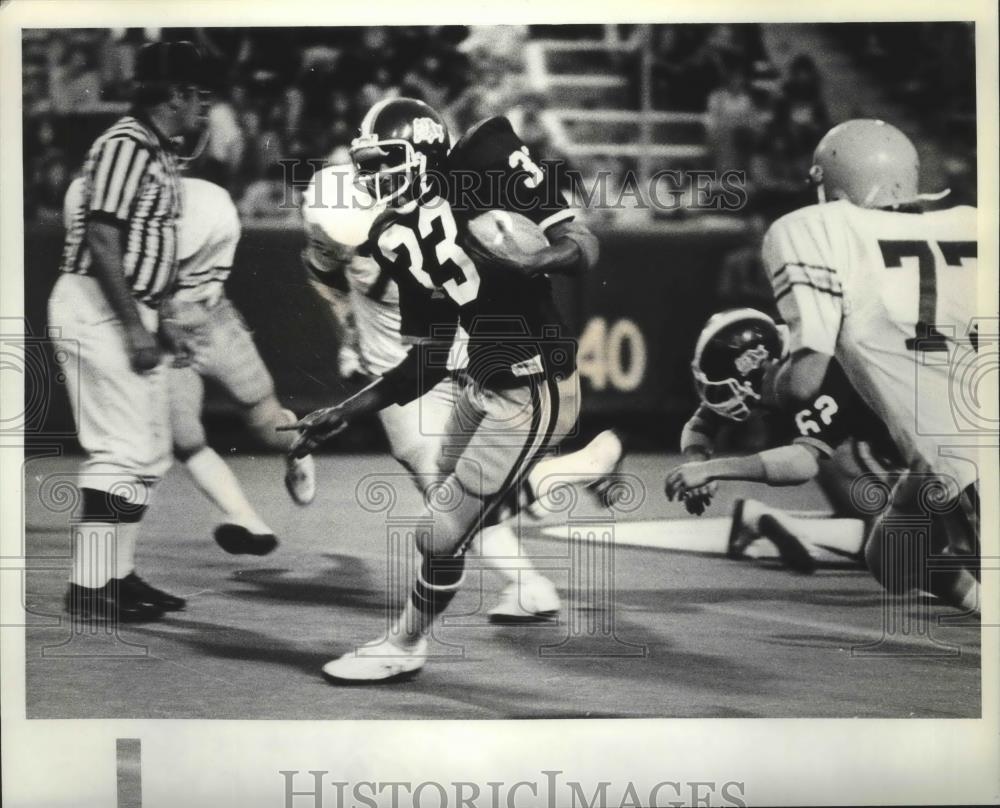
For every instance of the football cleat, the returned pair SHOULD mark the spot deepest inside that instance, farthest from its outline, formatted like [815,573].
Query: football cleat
[110,603]
[740,536]
[377,661]
[138,590]
[237,540]
[536,602]
[300,479]
[792,550]
[608,450]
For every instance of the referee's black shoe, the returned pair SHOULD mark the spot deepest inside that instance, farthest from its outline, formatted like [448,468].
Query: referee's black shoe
[110,603]
[138,590]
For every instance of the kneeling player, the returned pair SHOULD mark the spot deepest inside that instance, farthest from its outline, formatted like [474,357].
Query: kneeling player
[217,345]
[836,439]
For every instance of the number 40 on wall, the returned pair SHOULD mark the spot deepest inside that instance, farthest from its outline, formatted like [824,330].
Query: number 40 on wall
[612,356]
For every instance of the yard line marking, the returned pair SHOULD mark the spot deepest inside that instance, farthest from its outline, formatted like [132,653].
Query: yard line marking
[838,629]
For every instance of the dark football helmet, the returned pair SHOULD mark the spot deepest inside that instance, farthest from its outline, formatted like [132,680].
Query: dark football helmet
[729,360]
[401,140]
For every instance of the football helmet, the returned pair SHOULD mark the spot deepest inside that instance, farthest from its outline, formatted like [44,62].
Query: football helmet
[401,140]
[868,162]
[729,360]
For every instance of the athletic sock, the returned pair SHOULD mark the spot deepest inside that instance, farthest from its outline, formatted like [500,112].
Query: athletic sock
[104,538]
[438,581]
[125,541]
[217,482]
[94,556]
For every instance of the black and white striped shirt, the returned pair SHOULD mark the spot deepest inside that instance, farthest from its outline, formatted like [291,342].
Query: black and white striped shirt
[130,179]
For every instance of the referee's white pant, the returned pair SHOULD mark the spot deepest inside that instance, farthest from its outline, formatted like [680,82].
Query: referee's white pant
[122,417]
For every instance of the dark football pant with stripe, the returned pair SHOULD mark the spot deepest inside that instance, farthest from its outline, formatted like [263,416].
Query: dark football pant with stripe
[493,439]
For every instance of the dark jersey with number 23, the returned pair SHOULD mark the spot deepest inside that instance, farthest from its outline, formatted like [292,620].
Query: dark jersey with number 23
[514,329]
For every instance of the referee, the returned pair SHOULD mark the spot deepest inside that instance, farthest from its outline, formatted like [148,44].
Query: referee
[118,263]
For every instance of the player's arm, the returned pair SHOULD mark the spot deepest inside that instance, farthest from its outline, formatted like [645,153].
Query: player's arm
[424,365]
[802,269]
[785,465]
[699,433]
[107,217]
[796,378]
[531,189]
[698,444]
[572,249]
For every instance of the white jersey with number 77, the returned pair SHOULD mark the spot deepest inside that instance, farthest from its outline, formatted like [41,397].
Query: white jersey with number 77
[893,295]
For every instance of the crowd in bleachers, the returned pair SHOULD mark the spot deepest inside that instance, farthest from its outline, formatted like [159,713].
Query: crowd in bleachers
[290,93]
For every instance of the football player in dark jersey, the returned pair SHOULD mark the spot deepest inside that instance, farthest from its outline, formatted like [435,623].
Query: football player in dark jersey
[522,390]
[836,438]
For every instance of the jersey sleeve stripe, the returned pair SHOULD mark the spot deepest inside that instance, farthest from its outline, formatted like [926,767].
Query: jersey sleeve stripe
[805,266]
[123,161]
[102,171]
[778,296]
[138,167]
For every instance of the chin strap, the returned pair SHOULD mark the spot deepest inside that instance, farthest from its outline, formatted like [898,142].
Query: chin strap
[185,160]
[934,197]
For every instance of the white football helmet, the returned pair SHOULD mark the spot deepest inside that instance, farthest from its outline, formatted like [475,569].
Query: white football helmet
[868,162]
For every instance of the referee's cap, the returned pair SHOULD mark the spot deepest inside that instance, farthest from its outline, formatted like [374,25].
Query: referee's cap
[172,62]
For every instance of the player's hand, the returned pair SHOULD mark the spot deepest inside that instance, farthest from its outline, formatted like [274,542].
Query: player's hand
[144,351]
[174,340]
[316,428]
[691,484]
[517,261]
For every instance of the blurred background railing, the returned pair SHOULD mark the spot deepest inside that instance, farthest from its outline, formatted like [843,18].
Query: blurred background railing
[607,99]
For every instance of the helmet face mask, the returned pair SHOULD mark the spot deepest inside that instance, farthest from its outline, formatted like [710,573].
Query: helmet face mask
[730,359]
[386,169]
[728,397]
[401,141]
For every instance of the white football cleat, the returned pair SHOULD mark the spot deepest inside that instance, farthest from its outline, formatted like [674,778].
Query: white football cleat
[608,453]
[377,661]
[535,602]
[300,479]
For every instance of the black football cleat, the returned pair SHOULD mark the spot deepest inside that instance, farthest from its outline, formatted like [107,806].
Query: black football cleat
[793,552]
[136,589]
[737,541]
[109,604]
[237,540]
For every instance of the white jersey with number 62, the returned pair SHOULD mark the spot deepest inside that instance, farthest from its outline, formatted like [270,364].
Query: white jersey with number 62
[893,295]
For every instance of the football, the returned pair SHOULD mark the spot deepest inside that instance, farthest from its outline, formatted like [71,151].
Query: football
[506,235]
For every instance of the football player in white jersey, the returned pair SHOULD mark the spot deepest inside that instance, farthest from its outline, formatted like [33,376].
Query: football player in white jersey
[217,345]
[337,218]
[211,341]
[867,276]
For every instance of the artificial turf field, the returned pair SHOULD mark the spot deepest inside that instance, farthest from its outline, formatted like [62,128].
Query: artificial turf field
[673,630]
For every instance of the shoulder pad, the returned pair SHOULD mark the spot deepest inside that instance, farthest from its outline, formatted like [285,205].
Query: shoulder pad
[480,134]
